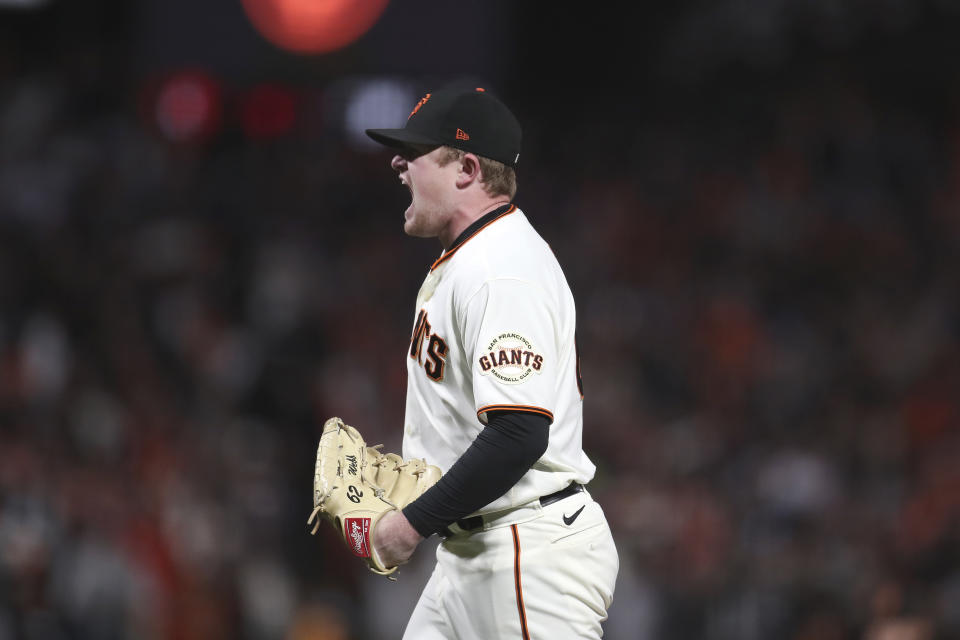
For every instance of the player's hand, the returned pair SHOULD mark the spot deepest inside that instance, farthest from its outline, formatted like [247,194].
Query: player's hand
[395,539]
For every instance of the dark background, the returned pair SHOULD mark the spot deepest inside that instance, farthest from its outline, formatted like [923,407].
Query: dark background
[756,203]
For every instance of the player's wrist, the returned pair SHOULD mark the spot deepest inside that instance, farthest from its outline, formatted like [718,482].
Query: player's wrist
[415,518]
[406,531]
[394,539]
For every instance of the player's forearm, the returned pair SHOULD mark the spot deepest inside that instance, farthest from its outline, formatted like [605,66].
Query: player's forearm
[505,450]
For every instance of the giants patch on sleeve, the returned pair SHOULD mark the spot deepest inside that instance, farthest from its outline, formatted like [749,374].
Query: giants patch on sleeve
[510,358]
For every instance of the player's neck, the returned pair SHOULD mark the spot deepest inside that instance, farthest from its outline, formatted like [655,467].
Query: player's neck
[467,215]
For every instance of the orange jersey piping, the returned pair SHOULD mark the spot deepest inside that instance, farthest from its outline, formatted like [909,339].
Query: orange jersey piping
[515,407]
[448,254]
[516,580]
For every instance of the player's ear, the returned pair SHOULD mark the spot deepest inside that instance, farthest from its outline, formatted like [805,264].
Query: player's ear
[469,170]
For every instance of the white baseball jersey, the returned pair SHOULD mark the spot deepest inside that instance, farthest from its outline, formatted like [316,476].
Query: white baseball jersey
[494,330]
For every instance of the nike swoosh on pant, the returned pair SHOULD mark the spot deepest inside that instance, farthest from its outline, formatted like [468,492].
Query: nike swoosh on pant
[568,520]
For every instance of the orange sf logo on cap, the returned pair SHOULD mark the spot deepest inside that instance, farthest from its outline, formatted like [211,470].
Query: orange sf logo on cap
[422,102]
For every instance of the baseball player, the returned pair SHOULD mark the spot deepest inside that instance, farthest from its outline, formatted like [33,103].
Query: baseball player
[494,396]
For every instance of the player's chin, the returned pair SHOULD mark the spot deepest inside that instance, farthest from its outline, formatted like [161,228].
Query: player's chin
[410,223]
[414,231]
[414,227]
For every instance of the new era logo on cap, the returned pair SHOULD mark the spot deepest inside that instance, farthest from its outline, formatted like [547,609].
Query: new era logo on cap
[472,120]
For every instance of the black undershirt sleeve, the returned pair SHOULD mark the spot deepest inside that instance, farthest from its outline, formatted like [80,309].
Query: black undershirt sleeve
[499,456]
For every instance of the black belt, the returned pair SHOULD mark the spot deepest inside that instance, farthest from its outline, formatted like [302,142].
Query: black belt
[475,522]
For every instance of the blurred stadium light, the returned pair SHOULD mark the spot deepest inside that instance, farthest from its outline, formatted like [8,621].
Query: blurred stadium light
[373,103]
[187,106]
[313,26]
[268,111]
[413,38]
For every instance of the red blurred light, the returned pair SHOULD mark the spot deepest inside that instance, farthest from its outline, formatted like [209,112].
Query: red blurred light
[268,111]
[188,106]
[313,26]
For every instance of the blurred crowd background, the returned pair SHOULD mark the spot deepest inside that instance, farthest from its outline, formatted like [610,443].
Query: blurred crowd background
[756,203]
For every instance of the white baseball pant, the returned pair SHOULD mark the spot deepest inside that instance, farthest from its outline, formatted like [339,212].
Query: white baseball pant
[527,574]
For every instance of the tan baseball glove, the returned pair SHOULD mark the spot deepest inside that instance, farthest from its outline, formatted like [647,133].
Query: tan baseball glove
[354,485]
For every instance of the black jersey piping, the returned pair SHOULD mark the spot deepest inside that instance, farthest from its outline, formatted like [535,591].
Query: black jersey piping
[476,227]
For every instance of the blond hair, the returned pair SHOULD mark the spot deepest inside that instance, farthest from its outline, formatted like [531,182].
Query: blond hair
[497,178]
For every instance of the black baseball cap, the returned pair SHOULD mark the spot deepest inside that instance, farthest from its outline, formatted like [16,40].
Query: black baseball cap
[472,120]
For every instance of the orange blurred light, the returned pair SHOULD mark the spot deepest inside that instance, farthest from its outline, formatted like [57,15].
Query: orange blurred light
[313,26]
